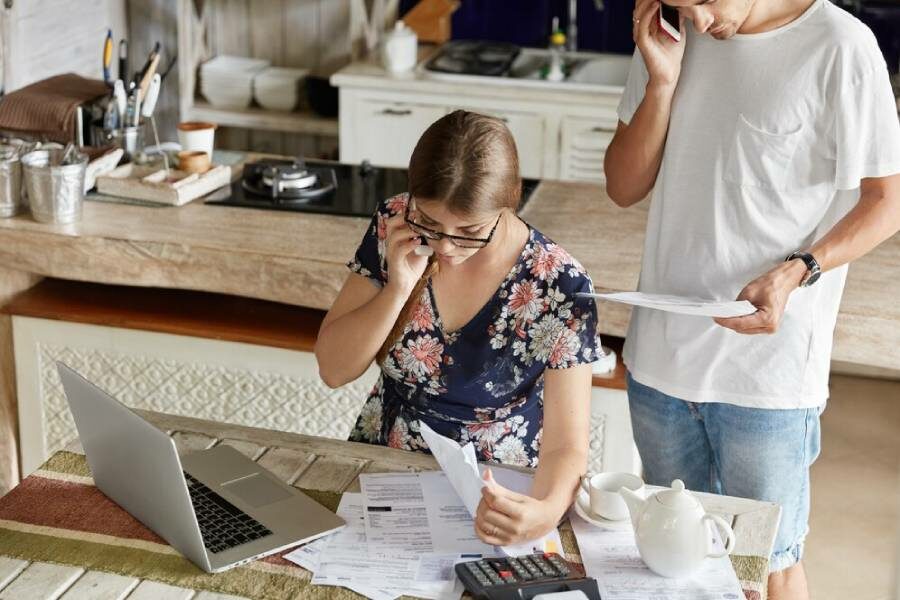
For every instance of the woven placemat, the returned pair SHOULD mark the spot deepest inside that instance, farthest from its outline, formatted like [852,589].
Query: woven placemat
[57,515]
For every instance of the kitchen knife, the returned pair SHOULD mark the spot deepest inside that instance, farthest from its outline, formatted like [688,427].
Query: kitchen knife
[149,103]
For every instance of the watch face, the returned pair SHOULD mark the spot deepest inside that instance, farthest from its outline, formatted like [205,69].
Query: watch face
[813,277]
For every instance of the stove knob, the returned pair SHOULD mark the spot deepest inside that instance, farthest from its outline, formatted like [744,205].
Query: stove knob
[366,168]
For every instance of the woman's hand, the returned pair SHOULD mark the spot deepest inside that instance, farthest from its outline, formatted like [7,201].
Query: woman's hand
[505,517]
[661,54]
[404,266]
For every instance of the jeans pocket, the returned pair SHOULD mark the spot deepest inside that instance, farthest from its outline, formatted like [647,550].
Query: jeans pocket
[760,158]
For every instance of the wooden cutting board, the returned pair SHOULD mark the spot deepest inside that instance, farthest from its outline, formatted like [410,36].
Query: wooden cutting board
[155,185]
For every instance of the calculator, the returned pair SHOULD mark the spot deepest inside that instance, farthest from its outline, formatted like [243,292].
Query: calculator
[522,577]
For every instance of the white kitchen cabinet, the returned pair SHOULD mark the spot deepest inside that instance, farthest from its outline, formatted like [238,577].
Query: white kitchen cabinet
[559,135]
[529,132]
[385,132]
[583,144]
[224,381]
[391,130]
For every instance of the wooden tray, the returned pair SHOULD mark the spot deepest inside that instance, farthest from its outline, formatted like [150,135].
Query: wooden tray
[152,184]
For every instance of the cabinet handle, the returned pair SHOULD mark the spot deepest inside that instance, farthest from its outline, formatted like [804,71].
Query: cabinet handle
[396,113]
[601,129]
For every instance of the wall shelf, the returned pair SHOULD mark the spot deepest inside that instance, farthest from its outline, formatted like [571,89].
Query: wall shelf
[258,118]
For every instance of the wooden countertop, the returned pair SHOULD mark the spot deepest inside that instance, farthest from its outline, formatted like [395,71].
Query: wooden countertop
[300,258]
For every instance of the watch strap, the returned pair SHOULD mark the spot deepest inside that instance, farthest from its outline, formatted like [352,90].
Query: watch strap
[813,271]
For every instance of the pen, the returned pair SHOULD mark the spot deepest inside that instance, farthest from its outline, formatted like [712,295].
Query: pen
[123,60]
[107,55]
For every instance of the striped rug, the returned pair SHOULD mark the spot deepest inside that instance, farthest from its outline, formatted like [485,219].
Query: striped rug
[57,515]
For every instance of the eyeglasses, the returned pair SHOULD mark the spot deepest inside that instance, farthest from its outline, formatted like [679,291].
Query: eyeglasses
[456,240]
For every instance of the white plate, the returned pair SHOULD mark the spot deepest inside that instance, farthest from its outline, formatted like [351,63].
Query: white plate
[582,507]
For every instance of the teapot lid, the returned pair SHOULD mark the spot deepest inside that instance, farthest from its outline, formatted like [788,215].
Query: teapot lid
[677,496]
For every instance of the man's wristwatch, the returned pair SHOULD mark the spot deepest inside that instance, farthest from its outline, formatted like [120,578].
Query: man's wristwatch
[813,272]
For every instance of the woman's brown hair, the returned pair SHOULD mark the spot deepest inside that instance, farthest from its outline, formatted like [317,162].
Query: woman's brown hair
[469,162]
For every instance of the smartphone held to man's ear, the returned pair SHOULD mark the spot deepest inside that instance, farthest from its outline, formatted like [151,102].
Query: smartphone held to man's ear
[669,21]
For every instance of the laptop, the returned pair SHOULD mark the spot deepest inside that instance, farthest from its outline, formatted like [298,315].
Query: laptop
[217,507]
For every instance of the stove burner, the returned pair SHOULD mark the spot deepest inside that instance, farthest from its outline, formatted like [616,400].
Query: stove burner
[288,182]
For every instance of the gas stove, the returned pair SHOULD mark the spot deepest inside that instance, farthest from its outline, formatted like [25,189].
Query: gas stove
[319,186]
[307,185]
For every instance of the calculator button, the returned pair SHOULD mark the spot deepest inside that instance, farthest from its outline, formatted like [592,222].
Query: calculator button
[545,567]
[530,566]
[560,564]
[519,570]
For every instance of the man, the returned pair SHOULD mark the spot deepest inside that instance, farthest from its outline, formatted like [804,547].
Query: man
[769,131]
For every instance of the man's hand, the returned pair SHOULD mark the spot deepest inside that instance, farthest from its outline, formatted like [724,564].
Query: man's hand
[505,517]
[662,55]
[769,294]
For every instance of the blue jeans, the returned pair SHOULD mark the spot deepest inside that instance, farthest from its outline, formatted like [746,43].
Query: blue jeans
[756,453]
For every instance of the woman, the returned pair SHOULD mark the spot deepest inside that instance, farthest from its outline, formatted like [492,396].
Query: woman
[484,340]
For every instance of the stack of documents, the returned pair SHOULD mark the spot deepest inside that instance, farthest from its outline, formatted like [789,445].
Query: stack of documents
[684,305]
[406,531]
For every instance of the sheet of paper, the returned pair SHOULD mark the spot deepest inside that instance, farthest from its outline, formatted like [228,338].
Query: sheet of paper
[464,474]
[416,513]
[342,559]
[459,463]
[610,556]
[684,305]
[346,547]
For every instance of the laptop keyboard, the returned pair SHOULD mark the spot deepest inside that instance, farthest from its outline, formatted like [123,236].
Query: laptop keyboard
[222,524]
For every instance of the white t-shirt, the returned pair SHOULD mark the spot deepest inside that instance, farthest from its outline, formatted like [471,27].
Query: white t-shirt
[769,137]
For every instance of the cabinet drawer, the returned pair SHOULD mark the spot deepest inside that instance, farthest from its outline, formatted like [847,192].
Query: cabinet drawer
[528,131]
[583,147]
[388,131]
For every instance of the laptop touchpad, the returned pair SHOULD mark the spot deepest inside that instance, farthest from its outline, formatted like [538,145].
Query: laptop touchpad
[257,490]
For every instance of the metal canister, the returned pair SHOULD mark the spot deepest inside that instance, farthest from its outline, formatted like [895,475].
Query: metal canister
[129,139]
[11,195]
[55,190]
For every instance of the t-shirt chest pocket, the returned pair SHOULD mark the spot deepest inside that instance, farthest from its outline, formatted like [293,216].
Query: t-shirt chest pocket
[760,158]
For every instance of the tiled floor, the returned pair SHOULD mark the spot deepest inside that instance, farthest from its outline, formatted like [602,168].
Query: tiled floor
[852,549]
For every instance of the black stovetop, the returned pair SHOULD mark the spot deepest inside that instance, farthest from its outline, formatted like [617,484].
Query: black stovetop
[357,189]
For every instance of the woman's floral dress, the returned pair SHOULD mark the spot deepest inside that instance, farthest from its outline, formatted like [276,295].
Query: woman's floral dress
[484,382]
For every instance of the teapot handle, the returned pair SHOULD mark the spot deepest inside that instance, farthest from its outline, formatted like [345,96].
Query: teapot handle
[724,528]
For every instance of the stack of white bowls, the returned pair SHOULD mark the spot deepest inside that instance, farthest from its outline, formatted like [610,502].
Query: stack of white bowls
[278,88]
[227,81]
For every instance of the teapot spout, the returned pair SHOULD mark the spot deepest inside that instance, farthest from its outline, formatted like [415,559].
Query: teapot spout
[635,504]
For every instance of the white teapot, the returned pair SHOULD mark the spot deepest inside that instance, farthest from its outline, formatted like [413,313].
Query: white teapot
[672,532]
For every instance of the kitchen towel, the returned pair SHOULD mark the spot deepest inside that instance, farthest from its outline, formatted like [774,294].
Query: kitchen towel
[46,109]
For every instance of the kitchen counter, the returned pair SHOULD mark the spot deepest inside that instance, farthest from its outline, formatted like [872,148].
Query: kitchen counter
[299,258]
[371,74]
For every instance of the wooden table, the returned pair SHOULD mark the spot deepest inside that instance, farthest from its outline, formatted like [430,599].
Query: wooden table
[309,463]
